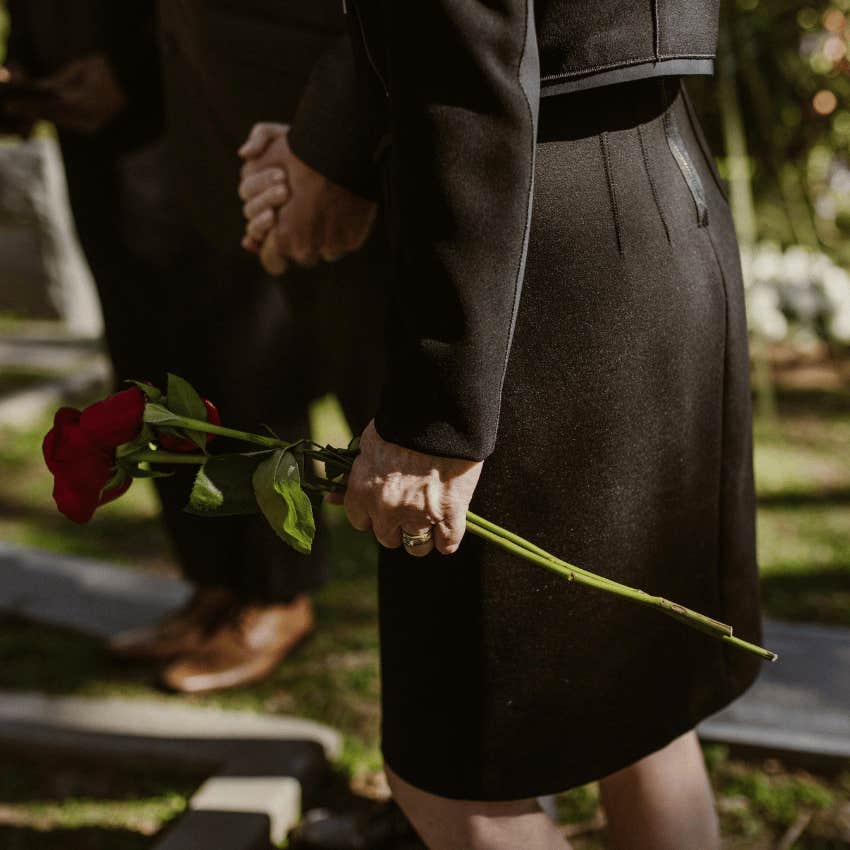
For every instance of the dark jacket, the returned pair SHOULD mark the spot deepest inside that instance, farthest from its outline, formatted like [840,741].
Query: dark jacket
[47,34]
[460,82]
[231,63]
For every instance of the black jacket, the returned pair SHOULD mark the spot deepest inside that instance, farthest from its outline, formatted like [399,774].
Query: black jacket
[47,34]
[459,84]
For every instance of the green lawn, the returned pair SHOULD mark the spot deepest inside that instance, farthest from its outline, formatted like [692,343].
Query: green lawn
[60,804]
[803,476]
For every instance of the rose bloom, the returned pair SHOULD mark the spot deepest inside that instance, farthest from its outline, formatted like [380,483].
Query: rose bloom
[80,451]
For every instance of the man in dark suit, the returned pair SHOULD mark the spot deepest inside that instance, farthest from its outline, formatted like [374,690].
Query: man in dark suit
[160,224]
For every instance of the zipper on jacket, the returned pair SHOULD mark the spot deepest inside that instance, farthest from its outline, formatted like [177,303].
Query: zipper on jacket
[350,7]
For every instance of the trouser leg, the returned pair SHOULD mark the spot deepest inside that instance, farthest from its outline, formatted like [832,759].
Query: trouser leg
[214,319]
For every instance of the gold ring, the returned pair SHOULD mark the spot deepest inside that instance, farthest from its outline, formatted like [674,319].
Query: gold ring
[411,541]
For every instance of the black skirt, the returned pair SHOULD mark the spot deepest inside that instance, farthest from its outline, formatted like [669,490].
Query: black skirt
[624,447]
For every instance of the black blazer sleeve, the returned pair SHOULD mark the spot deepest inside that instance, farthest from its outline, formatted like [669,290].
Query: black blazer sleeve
[19,44]
[129,41]
[463,79]
[340,121]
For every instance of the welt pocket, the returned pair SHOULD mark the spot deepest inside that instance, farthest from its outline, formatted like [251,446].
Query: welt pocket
[697,130]
[682,156]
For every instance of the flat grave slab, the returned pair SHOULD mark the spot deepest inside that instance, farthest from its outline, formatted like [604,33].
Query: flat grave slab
[800,705]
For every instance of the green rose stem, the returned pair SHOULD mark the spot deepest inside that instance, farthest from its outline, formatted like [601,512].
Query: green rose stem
[151,456]
[529,552]
[157,415]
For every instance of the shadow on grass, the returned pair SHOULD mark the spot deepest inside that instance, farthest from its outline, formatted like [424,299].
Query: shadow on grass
[58,661]
[820,595]
[113,536]
[804,498]
[48,802]
[796,401]
[85,838]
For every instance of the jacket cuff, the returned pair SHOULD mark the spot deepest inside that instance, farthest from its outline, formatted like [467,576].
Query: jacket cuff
[339,124]
[415,424]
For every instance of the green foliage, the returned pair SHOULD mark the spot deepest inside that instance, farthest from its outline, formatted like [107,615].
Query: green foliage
[578,804]
[4,30]
[277,486]
[777,799]
[183,400]
[151,393]
[790,63]
[224,486]
[156,414]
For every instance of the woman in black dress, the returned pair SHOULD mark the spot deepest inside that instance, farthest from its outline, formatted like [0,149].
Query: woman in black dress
[567,350]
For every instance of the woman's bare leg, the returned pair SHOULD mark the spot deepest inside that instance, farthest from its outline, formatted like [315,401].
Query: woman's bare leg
[461,825]
[662,802]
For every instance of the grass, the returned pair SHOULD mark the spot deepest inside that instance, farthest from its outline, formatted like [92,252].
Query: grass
[60,804]
[802,467]
[803,480]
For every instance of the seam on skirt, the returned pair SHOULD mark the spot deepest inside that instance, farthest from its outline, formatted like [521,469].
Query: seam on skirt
[612,194]
[651,179]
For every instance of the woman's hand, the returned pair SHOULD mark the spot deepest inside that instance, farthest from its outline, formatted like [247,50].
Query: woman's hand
[392,489]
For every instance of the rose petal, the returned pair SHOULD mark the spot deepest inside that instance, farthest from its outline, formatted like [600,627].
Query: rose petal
[78,484]
[64,416]
[115,420]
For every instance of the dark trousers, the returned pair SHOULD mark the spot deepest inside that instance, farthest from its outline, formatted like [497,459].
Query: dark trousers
[259,348]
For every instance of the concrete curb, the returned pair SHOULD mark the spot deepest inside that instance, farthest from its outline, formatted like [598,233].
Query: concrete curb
[263,766]
[20,408]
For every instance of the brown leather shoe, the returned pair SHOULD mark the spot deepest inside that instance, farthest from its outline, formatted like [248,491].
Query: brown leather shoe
[246,647]
[179,633]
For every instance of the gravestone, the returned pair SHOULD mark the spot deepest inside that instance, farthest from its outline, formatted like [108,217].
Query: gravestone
[43,273]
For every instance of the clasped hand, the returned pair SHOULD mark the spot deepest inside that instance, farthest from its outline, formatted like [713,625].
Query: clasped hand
[294,213]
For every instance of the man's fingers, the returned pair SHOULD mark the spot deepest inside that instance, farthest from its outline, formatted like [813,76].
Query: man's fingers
[298,247]
[259,227]
[259,138]
[275,196]
[448,533]
[270,257]
[255,184]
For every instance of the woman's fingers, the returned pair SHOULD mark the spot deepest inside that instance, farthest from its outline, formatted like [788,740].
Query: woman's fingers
[387,533]
[255,184]
[272,198]
[419,548]
[449,532]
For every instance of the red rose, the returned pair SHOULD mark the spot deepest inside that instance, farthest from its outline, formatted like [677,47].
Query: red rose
[81,467]
[183,444]
[115,420]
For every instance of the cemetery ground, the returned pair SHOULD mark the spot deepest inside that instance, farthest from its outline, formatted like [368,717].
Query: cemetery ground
[803,476]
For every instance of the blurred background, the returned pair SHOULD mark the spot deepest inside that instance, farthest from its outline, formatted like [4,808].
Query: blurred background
[777,116]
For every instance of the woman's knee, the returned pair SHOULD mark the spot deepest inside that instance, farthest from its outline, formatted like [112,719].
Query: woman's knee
[446,824]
